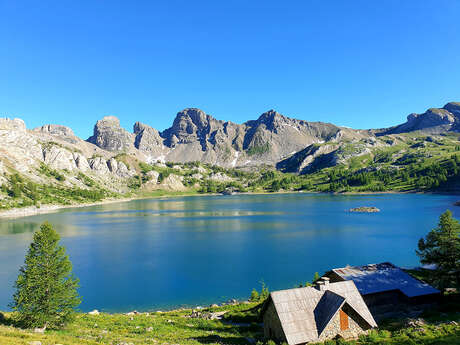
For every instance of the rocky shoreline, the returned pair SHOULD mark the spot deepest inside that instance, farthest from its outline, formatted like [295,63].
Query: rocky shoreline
[34,210]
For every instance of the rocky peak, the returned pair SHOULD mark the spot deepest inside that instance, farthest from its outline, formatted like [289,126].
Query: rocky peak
[147,139]
[191,120]
[196,116]
[453,108]
[12,124]
[434,120]
[62,132]
[55,130]
[110,136]
[270,115]
[191,125]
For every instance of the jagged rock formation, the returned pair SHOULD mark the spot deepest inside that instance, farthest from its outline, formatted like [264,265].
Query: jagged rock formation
[57,147]
[108,135]
[197,136]
[273,139]
[62,132]
[434,121]
[313,157]
[148,140]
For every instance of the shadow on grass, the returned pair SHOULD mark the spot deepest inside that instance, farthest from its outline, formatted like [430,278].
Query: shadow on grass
[216,339]
[7,320]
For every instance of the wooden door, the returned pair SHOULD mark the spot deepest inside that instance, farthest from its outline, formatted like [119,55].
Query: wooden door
[343,320]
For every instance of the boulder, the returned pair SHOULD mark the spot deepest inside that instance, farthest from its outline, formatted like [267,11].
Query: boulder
[40,330]
[220,177]
[119,168]
[98,165]
[153,176]
[81,162]
[57,157]
[173,182]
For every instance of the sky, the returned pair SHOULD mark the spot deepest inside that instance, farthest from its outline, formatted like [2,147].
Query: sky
[361,64]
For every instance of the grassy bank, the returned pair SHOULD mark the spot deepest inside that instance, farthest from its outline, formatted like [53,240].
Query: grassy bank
[240,324]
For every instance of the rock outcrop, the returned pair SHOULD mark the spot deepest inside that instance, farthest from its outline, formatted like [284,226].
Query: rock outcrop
[310,159]
[62,132]
[149,141]
[17,125]
[108,135]
[434,121]
[119,168]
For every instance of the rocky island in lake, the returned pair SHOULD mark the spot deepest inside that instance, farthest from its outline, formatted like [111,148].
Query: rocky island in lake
[365,209]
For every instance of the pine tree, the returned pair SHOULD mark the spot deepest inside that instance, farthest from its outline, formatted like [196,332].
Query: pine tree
[316,277]
[442,248]
[46,290]
[254,296]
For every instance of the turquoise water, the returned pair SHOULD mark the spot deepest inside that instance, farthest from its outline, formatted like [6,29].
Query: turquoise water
[163,253]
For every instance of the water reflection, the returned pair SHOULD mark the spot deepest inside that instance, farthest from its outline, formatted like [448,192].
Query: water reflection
[158,253]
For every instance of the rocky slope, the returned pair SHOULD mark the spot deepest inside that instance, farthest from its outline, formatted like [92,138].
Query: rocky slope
[26,151]
[434,121]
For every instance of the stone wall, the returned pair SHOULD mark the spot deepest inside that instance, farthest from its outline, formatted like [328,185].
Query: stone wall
[272,325]
[355,327]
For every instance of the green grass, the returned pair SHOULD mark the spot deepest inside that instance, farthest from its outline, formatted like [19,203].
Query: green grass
[240,325]
[155,328]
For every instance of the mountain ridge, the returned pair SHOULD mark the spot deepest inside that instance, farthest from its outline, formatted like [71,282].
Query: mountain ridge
[52,159]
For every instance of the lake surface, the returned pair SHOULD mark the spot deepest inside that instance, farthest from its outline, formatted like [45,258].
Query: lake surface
[164,253]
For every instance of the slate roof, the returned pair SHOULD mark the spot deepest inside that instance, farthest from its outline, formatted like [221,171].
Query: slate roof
[384,277]
[305,312]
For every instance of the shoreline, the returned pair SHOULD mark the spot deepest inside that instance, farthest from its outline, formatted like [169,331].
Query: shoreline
[29,211]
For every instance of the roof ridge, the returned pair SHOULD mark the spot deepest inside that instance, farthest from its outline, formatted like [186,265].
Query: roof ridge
[329,316]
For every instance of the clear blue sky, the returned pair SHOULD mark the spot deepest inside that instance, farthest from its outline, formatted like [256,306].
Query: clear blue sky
[354,63]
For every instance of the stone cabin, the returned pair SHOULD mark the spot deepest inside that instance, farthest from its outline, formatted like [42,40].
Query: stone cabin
[387,290]
[312,314]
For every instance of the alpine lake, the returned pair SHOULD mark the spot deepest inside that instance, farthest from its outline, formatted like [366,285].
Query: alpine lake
[165,253]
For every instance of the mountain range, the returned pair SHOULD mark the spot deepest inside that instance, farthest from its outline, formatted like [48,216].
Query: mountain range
[113,154]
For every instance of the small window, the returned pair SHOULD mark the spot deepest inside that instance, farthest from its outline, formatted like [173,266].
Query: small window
[343,320]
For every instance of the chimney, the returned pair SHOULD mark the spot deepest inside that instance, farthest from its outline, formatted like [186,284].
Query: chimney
[323,284]
[320,285]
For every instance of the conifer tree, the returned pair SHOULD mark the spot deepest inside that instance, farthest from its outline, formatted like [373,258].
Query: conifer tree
[46,290]
[442,247]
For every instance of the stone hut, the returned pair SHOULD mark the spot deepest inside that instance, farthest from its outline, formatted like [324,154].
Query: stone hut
[312,314]
[387,290]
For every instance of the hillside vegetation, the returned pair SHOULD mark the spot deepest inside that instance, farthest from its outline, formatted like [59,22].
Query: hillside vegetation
[414,163]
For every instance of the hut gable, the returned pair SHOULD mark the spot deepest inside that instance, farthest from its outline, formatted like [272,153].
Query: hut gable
[303,315]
